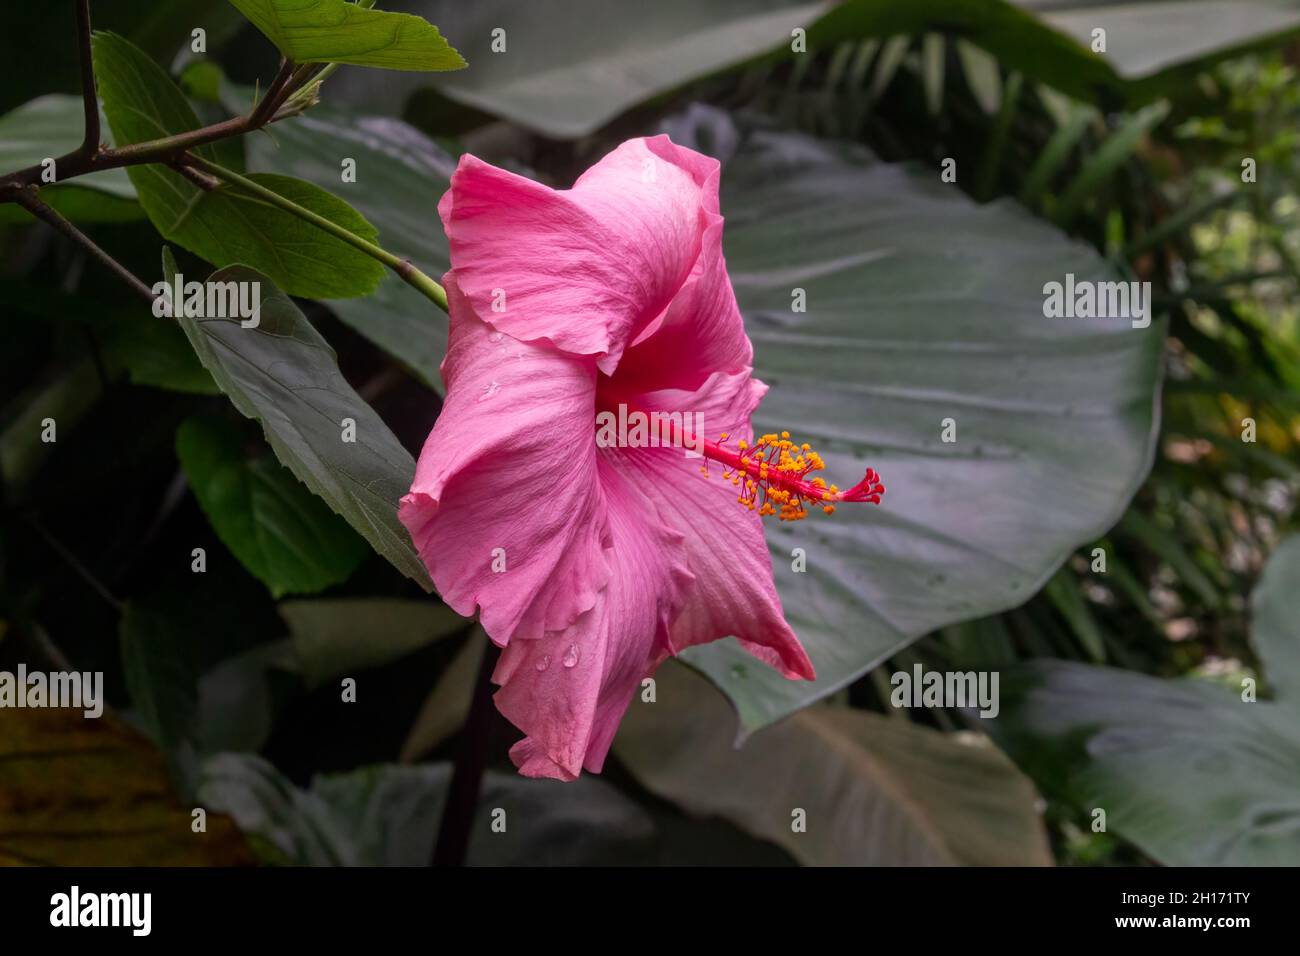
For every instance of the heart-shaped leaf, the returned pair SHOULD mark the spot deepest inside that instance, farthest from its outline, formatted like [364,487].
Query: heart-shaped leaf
[331,638]
[279,530]
[282,373]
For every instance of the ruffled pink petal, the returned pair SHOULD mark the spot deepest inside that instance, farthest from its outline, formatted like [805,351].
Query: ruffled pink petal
[701,331]
[568,691]
[733,592]
[583,269]
[510,465]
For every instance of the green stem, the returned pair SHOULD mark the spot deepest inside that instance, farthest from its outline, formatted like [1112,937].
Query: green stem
[405,270]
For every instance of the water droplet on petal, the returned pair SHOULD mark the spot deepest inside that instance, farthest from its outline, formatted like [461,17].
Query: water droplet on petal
[571,656]
[544,662]
[490,389]
[495,337]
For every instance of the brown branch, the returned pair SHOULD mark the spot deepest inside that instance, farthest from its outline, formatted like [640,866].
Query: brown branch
[90,157]
[276,94]
[29,199]
[90,142]
[162,150]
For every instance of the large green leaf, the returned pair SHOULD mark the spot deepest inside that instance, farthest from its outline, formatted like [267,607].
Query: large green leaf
[284,374]
[1154,42]
[1183,768]
[568,68]
[190,645]
[388,816]
[282,533]
[225,225]
[49,127]
[921,306]
[1194,773]
[332,638]
[1275,626]
[448,703]
[334,31]
[1150,46]
[150,352]
[400,175]
[874,790]
[159,663]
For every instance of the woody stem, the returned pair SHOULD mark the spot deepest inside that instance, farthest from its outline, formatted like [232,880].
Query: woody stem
[461,804]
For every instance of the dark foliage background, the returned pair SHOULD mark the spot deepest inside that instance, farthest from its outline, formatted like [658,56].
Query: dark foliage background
[1121,690]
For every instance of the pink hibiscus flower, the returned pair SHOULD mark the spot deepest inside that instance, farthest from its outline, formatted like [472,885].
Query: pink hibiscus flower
[587,561]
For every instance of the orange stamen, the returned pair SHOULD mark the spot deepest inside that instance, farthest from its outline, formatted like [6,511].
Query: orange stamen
[774,475]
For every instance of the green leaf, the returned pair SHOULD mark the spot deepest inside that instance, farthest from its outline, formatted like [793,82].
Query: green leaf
[1114,152]
[240,697]
[877,791]
[445,709]
[179,645]
[49,127]
[1193,773]
[202,80]
[921,306]
[223,225]
[1171,550]
[1155,44]
[983,76]
[1183,768]
[1275,627]
[333,638]
[933,54]
[567,71]
[332,31]
[388,816]
[567,74]
[1055,153]
[282,533]
[1066,595]
[284,375]
[1151,47]
[154,352]
[160,670]
[67,397]
[400,174]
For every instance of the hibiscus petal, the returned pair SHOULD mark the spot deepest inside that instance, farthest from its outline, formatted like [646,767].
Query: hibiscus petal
[725,549]
[701,331]
[584,269]
[569,690]
[510,465]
